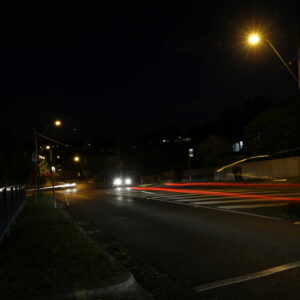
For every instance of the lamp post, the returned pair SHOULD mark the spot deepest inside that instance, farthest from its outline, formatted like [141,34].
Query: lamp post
[52,170]
[56,123]
[255,38]
[76,159]
[191,154]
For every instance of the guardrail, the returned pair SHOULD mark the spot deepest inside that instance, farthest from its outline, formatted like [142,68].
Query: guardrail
[12,199]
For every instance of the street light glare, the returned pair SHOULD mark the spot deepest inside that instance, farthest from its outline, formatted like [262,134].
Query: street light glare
[48,147]
[254,39]
[57,123]
[76,158]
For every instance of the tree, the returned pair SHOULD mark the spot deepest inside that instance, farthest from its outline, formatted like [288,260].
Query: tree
[214,151]
[274,130]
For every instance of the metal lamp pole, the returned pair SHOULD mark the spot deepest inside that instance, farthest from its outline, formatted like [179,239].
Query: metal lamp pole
[254,39]
[57,123]
[191,154]
[52,177]
[36,168]
[284,62]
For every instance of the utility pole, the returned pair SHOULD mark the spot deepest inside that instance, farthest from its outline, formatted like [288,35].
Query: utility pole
[36,168]
[298,39]
[52,177]
[191,154]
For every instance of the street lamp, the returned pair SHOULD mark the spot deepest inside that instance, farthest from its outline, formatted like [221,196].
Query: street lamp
[52,171]
[76,159]
[56,123]
[255,38]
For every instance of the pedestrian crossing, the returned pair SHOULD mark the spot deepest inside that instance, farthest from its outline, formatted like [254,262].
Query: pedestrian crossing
[231,199]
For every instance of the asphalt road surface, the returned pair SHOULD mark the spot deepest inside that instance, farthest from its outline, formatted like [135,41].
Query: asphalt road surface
[221,242]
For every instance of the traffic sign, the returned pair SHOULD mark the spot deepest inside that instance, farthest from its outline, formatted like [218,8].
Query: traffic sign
[34,157]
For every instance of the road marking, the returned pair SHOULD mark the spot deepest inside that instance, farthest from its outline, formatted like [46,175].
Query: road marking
[221,210]
[246,191]
[175,195]
[148,192]
[204,199]
[213,208]
[233,201]
[242,278]
[188,196]
[252,205]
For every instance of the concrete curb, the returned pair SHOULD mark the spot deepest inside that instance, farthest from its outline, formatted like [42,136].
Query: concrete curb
[126,282]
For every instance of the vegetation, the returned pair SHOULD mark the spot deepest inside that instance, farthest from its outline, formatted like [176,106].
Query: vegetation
[47,253]
[274,130]
[214,150]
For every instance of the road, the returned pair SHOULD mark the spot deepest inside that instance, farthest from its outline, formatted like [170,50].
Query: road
[202,241]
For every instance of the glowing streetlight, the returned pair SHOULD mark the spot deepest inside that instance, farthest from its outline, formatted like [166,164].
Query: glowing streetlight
[254,39]
[76,158]
[57,123]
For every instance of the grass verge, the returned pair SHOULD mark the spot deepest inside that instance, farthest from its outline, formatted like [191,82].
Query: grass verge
[46,253]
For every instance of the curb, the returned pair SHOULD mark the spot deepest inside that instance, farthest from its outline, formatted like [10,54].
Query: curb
[127,281]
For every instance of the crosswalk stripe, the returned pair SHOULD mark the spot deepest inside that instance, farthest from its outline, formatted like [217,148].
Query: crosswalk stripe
[182,197]
[232,201]
[277,193]
[207,199]
[251,205]
[203,199]
[174,196]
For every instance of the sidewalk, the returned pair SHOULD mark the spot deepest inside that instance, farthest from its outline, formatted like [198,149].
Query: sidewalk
[48,257]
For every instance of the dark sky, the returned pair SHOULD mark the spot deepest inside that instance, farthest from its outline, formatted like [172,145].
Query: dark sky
[122,68]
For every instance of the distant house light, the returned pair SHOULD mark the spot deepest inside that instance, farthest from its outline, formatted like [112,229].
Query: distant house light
[239,146]
[186,139]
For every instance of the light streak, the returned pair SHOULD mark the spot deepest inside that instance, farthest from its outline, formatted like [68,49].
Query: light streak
[214,193]
[231,184]
[242,160]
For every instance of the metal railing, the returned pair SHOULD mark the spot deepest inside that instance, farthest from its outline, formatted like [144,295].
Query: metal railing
[12,199]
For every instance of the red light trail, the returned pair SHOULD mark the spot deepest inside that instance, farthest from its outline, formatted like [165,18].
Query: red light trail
[224,184]
[214,193]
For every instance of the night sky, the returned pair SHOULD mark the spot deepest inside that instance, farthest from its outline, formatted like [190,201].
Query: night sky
[124,69]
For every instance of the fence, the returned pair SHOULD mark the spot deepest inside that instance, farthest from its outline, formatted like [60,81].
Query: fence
[11,200]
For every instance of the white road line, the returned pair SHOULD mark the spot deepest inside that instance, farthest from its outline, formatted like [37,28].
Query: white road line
[183,199]
[236,212]
[231,200]
[174,196]
[246,191]
[249,192]
[148,192]
[188,196]
[252,205]
[242,278]
[206,198]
